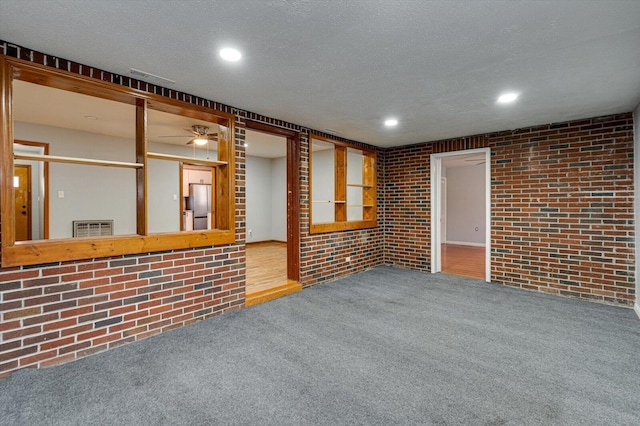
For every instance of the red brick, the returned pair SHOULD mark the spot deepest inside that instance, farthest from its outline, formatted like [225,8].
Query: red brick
[22,313]
[59,324]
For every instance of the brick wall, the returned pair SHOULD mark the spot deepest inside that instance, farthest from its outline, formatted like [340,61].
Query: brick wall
[67,310]
[561,214]
[363,246]
[60,312]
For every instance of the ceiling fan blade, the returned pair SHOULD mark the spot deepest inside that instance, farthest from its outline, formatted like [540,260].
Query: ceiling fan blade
[174,136]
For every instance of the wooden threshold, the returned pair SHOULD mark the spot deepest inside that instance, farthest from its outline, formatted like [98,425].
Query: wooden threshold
[265,292]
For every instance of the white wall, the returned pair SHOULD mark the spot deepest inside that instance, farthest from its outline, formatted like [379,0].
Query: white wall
[466,204]
[163,180]
[279,199]
[323,186]
[266,195]
[636,206]
[354,193]
[258,196]
[89,192]
[163,196]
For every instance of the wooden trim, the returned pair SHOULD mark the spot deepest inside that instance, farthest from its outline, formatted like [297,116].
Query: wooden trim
[320,228]
[369,192]
[225,180]
[185,109]
[142,219]
[257,243]
[33,253]
[293,207]
[340,197]
[60,79]
[7,210]
[45,170]
[313,135]
[185,160]
[77,160]
[293,193]
[273,130]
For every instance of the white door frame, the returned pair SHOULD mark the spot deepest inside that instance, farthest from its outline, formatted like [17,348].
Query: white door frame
[436,200]
[443,209]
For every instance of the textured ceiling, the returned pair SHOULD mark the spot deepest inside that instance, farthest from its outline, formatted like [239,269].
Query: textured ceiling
[437,66]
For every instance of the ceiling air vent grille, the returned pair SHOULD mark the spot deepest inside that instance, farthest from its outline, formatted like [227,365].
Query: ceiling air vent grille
[92,228]
[151,78]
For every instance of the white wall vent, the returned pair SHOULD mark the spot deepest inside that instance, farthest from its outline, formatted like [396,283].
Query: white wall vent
[92,228]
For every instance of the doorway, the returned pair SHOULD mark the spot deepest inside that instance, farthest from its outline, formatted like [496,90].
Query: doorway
[461,219]
[197,207]
[22,201]
[31,184]
[272,219]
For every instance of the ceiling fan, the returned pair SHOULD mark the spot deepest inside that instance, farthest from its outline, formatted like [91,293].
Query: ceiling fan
[201,135]
[480,160]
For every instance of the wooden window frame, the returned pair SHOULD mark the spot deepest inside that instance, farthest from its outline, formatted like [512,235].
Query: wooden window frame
[46,251]
[369,189]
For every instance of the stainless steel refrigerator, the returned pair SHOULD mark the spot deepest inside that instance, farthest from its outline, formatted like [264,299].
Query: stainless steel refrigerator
[200,203]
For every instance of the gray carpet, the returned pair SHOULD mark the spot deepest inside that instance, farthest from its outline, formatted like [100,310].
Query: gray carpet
[386,347]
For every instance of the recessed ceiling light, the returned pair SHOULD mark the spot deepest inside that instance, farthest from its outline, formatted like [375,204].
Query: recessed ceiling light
[231,55]
[90,117]
[391,122]
[507,98]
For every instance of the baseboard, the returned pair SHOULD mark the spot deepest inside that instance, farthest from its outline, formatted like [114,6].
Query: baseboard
[465,243]
[636,308]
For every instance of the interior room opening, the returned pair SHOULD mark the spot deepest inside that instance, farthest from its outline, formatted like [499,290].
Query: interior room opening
[266,210]
[461,213]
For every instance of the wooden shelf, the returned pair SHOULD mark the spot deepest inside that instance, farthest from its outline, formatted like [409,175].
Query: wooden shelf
[358,185]
[188,160]
[76,160]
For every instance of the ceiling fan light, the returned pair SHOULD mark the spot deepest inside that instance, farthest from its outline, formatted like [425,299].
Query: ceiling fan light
[200,141]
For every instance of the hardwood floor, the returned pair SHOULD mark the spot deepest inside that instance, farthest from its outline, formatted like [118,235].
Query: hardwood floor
[468,261]
[267,272]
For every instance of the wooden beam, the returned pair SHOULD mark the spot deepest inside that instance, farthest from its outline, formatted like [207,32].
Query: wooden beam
[77,160]
[7,208]
[37,252]
[141,174]
[340,167]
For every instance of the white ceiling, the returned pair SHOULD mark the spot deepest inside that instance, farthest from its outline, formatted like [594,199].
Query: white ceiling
[437,66]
